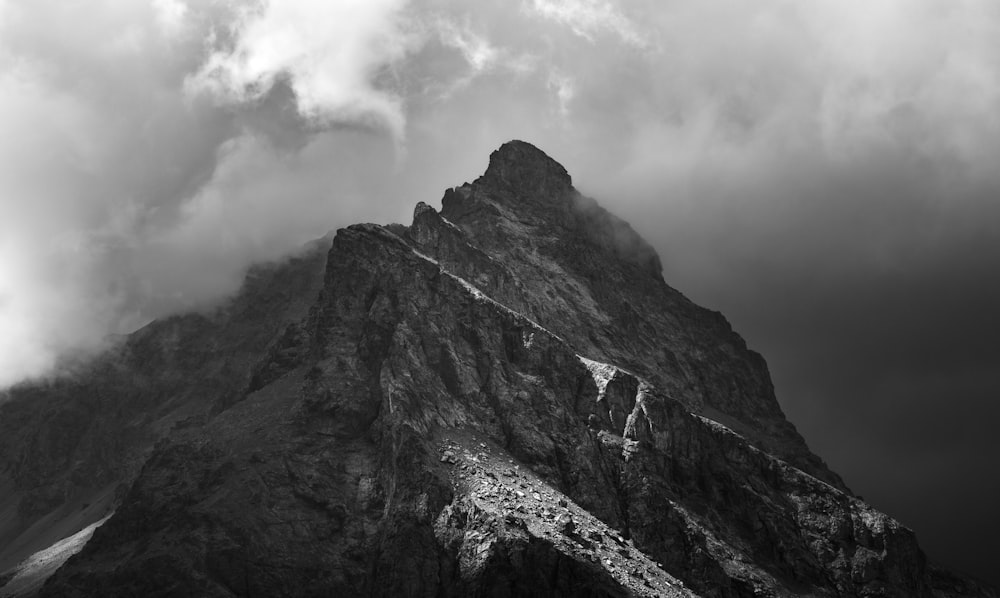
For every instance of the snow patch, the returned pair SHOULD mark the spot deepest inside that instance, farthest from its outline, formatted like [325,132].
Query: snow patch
[781,463]
[34,570]
[481,296]
[426,257]
[717,426]
[601,372]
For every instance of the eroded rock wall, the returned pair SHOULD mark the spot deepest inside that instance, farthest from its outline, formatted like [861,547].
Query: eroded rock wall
[501,399]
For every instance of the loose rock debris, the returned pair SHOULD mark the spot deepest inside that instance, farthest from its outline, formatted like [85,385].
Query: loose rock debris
[522,500]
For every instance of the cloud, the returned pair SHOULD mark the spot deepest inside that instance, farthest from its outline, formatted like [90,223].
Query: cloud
[330,52]
[588,18]
[823,172]
[126,196]
[170,14]
[476,50]
[141,126]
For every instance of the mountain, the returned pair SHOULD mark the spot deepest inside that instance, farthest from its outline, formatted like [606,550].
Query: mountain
[503,398]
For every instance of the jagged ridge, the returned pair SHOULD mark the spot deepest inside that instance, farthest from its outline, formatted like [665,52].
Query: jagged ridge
[525,327]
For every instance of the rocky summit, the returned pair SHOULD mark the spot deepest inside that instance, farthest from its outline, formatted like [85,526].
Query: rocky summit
[503,398]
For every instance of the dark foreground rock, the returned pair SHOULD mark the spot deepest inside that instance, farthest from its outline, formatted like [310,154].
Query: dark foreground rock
[501,399]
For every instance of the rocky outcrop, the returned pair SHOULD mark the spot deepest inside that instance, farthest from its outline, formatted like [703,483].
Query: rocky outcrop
[563,260]
[502,399]
[70,447]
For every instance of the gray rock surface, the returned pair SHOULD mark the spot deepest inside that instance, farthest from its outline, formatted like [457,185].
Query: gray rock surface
[502,399]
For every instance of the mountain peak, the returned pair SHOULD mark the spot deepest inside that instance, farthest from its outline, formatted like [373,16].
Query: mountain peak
[495,400]
[524,169]
[533,189]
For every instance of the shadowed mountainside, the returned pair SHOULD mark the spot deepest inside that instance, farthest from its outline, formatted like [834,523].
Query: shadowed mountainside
[502,399]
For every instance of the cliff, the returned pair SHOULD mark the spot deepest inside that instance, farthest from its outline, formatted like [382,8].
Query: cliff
[503,398]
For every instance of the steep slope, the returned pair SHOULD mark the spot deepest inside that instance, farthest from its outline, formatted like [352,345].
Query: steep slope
[69,447]
[569,264]
[501,399]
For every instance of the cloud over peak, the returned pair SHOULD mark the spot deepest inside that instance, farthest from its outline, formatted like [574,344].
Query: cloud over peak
[139,138]
[822,171]
[330,54]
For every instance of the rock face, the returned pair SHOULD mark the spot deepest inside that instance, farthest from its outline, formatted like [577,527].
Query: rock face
[502,399]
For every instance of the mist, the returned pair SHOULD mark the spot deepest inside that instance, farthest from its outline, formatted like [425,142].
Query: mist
[824,173]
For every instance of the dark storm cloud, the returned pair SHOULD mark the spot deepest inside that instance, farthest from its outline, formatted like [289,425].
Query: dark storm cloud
[824,173]
[875,305]
[893,378]
[872,293]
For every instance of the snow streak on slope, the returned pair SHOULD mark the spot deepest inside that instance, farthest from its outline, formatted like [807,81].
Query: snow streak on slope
[602,373]
[33,572]
[481,296]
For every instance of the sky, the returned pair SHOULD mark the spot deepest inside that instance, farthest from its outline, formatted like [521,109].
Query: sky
[824,173]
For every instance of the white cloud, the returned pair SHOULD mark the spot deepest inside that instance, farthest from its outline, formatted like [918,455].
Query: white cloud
[589,18]
[564,91]
[331,53]
[476,50]
[150,150]
[170,14]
